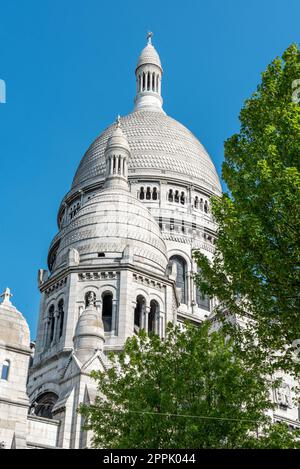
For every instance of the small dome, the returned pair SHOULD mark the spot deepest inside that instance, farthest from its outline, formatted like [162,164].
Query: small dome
[149,55]
[111,222]
[118,139]
[14,330]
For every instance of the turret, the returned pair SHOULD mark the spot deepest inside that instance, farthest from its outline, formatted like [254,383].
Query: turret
[117,152]
[89,333]
[148,79]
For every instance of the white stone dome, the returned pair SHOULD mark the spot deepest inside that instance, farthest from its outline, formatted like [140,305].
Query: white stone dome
[14,330]
[110,223]
[160,146]
[149,55]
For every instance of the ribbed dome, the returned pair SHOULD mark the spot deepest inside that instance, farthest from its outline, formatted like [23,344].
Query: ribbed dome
[149,55]
[118,139]
[159,146]
[113,222]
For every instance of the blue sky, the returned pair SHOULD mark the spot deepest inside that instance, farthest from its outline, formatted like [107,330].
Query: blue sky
[69,70]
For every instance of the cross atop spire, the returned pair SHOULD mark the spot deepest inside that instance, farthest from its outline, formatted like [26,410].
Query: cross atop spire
[149,37]
[6,295]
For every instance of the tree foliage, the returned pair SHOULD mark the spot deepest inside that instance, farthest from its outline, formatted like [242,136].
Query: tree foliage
[255,271]
[186,391]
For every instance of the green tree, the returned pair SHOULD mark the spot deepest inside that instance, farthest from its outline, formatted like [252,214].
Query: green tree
[255,271]
[186,391]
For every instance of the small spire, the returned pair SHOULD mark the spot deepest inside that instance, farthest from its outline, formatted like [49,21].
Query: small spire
[6,295]
[149,37]
[118,121]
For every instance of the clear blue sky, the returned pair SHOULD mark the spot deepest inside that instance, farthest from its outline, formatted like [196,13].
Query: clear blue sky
[69,70]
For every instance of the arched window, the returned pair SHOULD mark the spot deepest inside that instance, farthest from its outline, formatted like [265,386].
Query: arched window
[152,317]
[201,204]
[142,193]
[148,193]
[196,202]
[182,198]
[5,370]
[206,207]
[51,320]
[181,277]
[44,404]
[170,195]
[203,301]
[61,315]
[90,299]
[139,311]
[154,195]
[107,302]
[176,198]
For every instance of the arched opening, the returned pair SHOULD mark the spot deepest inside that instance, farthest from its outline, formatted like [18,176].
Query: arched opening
[90,299]
[44,404]
[196,202]
[5,370]
[182,198]
[107,310]
[148,193]
[170,195]
[206,207]
[144,81]
[203,301]
[152,317]
[181,280]
[176,198]
[148,81]
[139,312]
[61,316]
[154,195]
[142,194]
[51,320]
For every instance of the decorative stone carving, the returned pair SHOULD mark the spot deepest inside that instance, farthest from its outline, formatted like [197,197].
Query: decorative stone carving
[283,395]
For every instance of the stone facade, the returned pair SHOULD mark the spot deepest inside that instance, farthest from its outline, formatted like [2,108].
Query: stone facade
[122,260]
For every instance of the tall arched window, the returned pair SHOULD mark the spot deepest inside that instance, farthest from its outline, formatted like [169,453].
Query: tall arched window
[176,198]
[5,370]
[61,315]
[152,317]
[203,301]
[148,193]
[196,202]
[181,277]
[154,195]
[107,303]
[170,195]
[51,321]
[142,193]
[206,207]
[139,311]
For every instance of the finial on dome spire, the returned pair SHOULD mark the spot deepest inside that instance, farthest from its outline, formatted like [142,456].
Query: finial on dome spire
[118,121]
[149,37]
[6,295]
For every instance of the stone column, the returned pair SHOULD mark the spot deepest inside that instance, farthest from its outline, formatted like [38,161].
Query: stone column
[114,319]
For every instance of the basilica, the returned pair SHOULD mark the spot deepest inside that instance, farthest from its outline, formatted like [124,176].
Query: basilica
[122,260]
